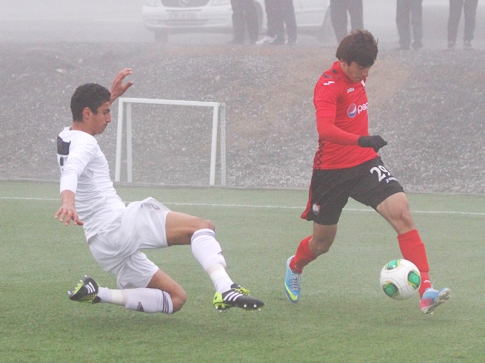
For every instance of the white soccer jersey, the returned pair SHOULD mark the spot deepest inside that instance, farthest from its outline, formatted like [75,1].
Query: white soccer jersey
[85,171]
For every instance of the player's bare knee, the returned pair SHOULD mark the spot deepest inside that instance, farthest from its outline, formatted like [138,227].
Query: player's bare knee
[404,219]
[200,223]
[178,301]
[207,224]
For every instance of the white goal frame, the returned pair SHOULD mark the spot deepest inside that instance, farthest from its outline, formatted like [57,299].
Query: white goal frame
[218,119]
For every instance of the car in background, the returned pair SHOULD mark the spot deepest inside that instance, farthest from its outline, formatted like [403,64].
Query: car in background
[194,16]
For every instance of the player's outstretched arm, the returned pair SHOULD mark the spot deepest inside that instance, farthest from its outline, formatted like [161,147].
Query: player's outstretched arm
[117,86]
[67,211]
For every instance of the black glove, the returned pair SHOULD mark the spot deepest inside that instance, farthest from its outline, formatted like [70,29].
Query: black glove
[374,141]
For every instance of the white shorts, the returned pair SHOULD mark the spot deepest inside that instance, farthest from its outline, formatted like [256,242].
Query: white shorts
[116,247]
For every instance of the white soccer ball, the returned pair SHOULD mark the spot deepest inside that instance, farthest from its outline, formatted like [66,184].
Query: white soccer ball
[400,279]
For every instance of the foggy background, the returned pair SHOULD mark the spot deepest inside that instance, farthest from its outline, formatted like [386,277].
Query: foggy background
[121,21]
[428,105]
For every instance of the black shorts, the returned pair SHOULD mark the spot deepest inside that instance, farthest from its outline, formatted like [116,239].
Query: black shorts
[369,183]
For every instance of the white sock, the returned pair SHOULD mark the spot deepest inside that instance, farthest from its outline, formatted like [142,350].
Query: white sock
[139,299]
[208,252]
[220,278]
[104,294]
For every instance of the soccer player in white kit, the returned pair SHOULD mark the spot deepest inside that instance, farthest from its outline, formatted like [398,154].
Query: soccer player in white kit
[117,233]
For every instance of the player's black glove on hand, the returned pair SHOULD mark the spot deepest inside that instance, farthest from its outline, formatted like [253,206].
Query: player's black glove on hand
[374,141]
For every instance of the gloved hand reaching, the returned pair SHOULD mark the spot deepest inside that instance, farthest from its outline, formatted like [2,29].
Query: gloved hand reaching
[374,141]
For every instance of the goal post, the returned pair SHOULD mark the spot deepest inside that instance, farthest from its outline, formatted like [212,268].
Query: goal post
[218,121]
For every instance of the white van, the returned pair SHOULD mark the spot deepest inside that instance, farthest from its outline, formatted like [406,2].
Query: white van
[194,16]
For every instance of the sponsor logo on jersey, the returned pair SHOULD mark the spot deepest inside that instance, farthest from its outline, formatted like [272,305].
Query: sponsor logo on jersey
[351,89]
[362,107]
[352,110]
[328,83]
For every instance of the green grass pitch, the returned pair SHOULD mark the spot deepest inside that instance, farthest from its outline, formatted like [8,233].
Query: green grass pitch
[343,316]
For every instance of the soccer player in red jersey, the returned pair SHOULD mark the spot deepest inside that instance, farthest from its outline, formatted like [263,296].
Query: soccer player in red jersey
[346,164]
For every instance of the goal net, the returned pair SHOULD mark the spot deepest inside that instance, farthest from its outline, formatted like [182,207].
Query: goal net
[171,141]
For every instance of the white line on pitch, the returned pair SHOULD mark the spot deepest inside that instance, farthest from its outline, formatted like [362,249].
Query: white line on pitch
[266,206]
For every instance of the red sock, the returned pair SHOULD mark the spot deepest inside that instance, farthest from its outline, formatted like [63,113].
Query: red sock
[412,249]
[425,283]
[303,256]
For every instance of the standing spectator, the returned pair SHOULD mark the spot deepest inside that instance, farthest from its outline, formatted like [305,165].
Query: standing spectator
[409,14]
[273,18]
[338,15]
[289,21]
[470,10]
[244,17]
[280,13]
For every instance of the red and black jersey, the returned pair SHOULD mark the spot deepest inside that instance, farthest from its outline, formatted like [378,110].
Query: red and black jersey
[337,98]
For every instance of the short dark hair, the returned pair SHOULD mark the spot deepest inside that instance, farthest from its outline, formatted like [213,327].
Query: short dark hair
[359,46]
[90,95]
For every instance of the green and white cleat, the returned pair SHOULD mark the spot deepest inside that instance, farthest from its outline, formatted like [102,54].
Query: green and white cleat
[238,297]
[85,291]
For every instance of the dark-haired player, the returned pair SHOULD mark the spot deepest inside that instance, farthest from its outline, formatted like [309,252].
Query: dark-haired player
[116,234]
[346,164]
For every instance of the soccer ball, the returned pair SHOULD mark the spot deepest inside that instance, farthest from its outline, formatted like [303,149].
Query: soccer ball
[400,279]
